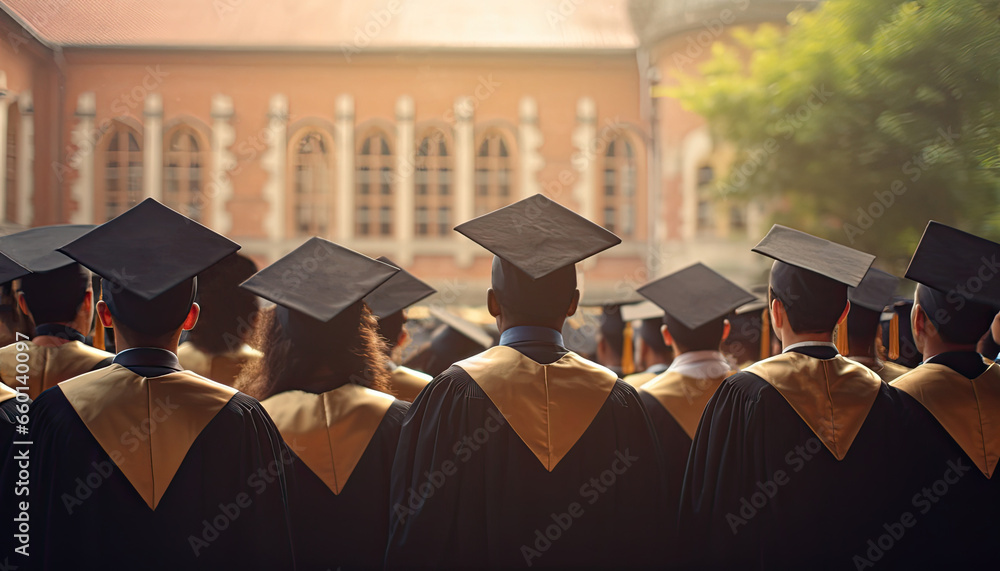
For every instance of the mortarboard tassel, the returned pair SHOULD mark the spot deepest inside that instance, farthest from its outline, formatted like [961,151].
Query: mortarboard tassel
[628,365]
[765,334]
[98,329]
[894,337]
[843,347]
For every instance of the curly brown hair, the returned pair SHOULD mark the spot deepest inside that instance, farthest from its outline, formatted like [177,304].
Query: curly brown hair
[347,349]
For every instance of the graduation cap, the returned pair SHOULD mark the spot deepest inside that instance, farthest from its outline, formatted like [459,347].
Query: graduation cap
[959,272]
[466,328]
[398,292]
[148,258]
[36,248]
[538,236]
[11,270]
[814,273]
[696,295]
[318,280]
[875,291]
[537,243]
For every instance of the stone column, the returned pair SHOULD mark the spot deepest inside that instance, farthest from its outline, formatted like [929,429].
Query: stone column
[465,172]
[25,159]
[5,102]
[529,141]
[344,143]
[220,187]
[584,138]
[273,161]
[404,180]
[84,138]
[152,150]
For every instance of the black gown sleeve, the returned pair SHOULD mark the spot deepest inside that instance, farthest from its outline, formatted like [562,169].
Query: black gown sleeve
[225,507]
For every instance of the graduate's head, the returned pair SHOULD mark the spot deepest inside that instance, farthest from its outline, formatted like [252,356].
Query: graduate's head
[228,313]
[63,295]
[455,339]
[810,302]
[654,346]
[610,336]
[951,320]
[12,320]
[868,300]
[516,298]
[537,244]
[58,290]
[696,301]
[320,334]
[807,293]
[148,259]
[958,292]
[140,322]
[389,301]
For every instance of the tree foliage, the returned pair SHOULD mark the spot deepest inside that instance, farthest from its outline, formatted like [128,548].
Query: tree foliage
[863,119]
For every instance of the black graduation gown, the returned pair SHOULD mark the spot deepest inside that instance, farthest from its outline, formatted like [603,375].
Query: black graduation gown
[224,508]
[762,491]
[955,505]
[467,492]
[348,530]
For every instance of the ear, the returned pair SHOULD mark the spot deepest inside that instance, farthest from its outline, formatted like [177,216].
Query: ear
[88,302]
[492,303]
[777,314]
[22,302]
[573,304]
[726,328]
[668,339]
[104,314]
[192,317]
[402,338]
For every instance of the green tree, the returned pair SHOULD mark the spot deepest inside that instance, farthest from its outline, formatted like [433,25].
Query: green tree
[863,119]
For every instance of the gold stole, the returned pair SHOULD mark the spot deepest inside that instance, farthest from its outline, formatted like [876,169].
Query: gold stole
[548,406]
[639,379]
[405,383]
[968,409]
[146,425]
[684,397]
[6,393]
[832,396]
[329,431]
[48,366]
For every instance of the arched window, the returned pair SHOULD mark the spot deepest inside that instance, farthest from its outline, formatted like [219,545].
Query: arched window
[373,198]
[432,186]
[619,186]
[494,175]
[312,179]
[121,178]
[184,173]
[10,177]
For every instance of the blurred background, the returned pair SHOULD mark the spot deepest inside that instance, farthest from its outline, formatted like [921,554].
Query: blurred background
[685,126]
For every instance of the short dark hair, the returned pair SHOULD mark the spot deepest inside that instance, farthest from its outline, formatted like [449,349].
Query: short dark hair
[227,310]
[55,296]
[529,301]
[707,337]
[652,336]
[810,313]
[959,324]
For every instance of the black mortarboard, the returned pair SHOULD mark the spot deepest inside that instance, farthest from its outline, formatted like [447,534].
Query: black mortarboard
[149,249]
[958,273]
[11,270]
[398,292]
[875,290]
[149,257]
[952,261]
[319,279]
[538,236]
[36,248]
[696,295]
[806,252]
[466,328]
